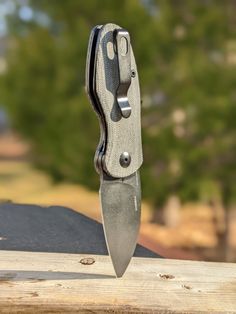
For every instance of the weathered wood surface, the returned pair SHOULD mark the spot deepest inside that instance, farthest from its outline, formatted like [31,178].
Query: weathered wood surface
[32,282]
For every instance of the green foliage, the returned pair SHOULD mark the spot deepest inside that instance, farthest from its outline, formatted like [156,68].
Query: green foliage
[186,55]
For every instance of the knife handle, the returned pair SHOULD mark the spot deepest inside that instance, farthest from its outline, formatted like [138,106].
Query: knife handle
[116,86]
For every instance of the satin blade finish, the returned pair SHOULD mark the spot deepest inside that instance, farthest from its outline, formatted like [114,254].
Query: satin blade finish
[121,208]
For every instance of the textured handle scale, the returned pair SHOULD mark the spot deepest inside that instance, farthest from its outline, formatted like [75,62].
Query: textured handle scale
[123,134]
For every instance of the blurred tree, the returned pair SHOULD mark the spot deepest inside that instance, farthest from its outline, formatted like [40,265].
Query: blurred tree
[190,136]
[186,56]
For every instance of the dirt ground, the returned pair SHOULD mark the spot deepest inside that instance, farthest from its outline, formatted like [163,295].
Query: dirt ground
[190,231]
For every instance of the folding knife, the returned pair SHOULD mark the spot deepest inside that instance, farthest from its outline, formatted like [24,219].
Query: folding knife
[113,87]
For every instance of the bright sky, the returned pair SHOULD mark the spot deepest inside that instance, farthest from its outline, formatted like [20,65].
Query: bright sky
[6,7]
[25,13]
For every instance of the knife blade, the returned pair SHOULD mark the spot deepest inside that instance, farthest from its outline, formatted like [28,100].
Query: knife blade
[113,88]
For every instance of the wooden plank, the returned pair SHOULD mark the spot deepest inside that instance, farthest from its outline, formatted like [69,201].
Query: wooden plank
[58,282]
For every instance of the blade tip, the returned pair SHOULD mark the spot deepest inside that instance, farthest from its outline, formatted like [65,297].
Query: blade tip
[119,274]
[119,271]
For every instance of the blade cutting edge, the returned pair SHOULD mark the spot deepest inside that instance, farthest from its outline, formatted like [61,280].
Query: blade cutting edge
[121,209]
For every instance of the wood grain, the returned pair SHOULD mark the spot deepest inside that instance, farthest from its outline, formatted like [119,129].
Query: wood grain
[56,283]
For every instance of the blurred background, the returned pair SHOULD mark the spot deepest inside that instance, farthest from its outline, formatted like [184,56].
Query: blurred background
[186,56]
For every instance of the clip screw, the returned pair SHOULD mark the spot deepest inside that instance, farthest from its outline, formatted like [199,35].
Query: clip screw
[125,159]
[133,73]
